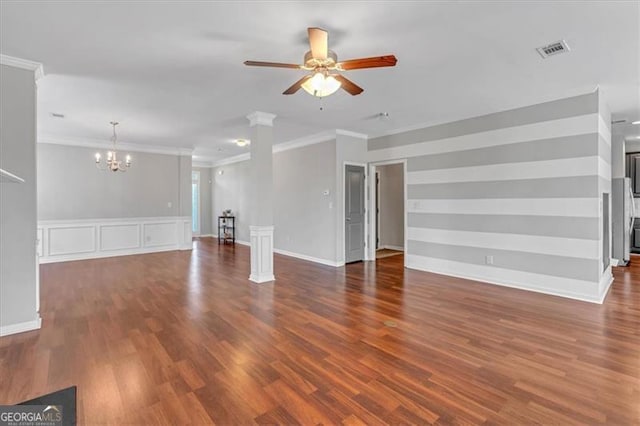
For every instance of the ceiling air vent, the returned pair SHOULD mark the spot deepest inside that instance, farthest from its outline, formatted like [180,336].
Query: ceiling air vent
[553,49]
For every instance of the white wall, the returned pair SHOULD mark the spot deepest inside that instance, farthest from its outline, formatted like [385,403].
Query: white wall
[206,218]
[391,205]
[87,213]
[18,265]
[349,149]
[231,191]
[304,218]
[71,187]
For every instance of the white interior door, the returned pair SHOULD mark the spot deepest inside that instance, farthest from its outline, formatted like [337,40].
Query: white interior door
[354,211]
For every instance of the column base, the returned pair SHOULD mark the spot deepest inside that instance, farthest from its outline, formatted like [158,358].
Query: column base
[261,238]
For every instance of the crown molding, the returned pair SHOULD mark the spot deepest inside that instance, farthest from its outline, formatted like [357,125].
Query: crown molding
[106,144]
[24,64]
[201,164]
[261,118]
[284,146]
[352,134]
[305,141]
[231,160]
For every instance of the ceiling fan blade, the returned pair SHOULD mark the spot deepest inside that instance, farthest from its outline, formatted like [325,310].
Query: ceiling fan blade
[318,41]
[349,85]
[296,86]
[271,64]
[373,62]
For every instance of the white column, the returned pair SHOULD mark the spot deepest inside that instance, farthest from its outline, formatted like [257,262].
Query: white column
[261,229]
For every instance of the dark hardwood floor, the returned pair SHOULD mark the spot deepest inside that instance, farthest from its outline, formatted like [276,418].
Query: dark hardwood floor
[185,338]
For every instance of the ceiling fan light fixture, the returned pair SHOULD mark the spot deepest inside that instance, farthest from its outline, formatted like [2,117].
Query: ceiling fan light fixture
[321,85]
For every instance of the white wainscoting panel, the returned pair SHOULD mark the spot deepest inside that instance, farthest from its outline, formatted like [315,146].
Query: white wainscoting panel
[64,240]
[71,240]
[160,234]
[119,237]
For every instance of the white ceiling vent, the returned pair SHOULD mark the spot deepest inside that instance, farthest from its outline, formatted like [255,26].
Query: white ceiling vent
[553,49]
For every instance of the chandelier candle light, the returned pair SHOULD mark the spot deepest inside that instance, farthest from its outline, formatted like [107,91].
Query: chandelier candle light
[112,163]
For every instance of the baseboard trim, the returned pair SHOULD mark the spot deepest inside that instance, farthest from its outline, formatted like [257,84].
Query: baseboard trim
[299,256]
[262,279]
[307,258]
[7,330]
[103,255]
[388,247]
[479,278]
[605,284]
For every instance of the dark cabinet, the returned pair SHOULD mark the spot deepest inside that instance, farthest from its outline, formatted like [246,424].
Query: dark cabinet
[635,237]
[633,172]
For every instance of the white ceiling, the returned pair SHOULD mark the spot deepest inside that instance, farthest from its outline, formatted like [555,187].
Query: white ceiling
[172,72]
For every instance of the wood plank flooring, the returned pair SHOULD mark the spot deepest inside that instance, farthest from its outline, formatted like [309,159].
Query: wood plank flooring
[185,338]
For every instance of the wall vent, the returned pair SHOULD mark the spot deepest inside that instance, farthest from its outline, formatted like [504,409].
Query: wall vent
[553,49]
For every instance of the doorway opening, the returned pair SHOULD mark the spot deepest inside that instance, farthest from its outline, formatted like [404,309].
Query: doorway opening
[195,203]
[389,209]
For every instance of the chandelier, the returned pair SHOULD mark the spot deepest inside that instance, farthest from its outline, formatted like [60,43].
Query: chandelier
[112,163]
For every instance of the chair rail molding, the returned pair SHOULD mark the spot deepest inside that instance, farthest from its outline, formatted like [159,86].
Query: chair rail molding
[66,240]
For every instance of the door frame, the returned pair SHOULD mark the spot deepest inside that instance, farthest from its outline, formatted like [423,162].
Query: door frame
[371,251]
[366,210]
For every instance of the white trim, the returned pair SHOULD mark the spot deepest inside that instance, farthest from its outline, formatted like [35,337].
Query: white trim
[280,147]
[231,160]
[24,64]
[201,164]
[605,284]
[106,144]
[261,118]
[352,134]
[391,247]
[21,327]
[539,283]
[261,254]
[307,258]
[8,177]
[305,141]
[97,238]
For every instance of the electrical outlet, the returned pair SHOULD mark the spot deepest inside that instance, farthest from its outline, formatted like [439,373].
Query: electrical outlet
[488,260]
[169,204]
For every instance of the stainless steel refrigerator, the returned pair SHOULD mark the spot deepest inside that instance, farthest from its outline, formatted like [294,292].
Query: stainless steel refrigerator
[623,216]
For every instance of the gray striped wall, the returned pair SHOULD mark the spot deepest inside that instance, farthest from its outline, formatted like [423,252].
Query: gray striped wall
[521,186]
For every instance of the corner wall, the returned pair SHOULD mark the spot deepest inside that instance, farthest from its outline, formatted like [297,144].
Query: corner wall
[18,209]
[304,217]
[512,198]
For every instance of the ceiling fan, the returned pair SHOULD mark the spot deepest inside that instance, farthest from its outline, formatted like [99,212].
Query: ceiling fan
[324,79]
